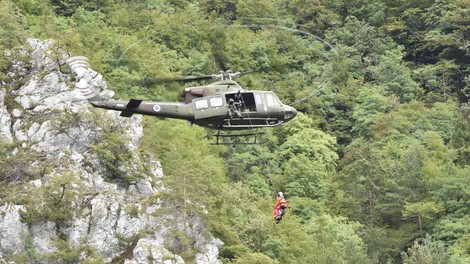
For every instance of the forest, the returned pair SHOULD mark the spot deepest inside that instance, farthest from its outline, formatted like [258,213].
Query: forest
[376,165]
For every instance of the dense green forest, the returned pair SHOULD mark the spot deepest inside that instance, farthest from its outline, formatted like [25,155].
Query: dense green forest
[376,165]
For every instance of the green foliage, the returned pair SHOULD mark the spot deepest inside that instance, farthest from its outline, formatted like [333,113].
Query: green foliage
[451,229]
[307,208]
[239,208]
[394,76]
[30,250]
[381,141]
[254,258]
[232,252]
[111,147]
[67,253]
[460,248]
[55,201]
[428,251]
[256,8]
[17,167]
[339,238]
[422,210]
[460,140]
[315,145]
[194,169]
[303,178]
[362,44]
[68,7]
[371,101]
[129,244]
[274,248]
[415,119]
[12,26]
[313,15]
[451,188]
[180,243]
[12,33]
[64,253]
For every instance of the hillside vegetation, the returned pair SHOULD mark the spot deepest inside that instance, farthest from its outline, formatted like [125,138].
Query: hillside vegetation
[377,164]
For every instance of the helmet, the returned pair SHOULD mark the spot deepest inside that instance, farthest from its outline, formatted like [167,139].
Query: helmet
[280,194]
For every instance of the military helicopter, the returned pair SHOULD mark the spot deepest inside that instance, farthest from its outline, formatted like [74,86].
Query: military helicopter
[221,105]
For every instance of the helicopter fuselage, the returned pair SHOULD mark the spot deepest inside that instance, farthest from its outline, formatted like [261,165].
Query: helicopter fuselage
[241,110]
[225,111]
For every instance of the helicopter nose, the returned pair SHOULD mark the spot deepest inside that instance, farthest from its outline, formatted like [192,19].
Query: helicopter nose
[289,113]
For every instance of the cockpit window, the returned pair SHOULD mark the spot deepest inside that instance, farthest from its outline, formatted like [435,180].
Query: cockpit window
[216,102]
[272,100]
[201,104]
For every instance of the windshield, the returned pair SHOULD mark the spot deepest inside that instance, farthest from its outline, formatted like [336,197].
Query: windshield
[272,100]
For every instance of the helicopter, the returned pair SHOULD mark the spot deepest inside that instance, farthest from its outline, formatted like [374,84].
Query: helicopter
[221,105]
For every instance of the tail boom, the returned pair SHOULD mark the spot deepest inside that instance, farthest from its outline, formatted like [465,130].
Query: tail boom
[160,109]
[86,85]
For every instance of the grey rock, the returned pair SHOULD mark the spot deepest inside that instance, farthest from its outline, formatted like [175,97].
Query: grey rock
[42,233]
[54,121]
[152,249]
[5,120]
[13,231]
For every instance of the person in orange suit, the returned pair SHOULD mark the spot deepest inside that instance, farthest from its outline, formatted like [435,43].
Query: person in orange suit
[279,207]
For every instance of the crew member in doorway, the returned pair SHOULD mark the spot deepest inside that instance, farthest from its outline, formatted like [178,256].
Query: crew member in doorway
[234,109]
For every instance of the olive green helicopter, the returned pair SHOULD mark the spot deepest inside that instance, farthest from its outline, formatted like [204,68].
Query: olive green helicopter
[221,105]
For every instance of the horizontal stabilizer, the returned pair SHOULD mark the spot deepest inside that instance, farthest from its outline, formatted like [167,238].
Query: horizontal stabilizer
[133,103]
[126,114]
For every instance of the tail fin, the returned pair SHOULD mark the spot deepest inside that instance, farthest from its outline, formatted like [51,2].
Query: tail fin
[80,66]
[133,104]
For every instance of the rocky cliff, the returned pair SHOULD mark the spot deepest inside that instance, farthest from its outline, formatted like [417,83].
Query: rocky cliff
[74,186]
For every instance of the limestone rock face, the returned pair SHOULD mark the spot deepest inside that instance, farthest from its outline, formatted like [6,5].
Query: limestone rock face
[5,120]
[64,199]
[11,228]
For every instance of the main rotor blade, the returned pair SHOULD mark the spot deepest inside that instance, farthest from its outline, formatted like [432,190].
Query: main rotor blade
[220,59]
[178,79]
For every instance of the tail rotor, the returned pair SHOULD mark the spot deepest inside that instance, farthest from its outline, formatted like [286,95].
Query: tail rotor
[80,66]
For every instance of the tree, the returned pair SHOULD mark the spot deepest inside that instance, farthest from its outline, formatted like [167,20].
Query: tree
[371,102]
[12,33]
[315,16]
[338,240]
[309,158]
[451,187]
[422,210]
[195,171]
[434,33]
[112,150]
[12,26]
[68,7]
[460,140]
[56,200]
[394,76]
[314,144]
[361,42]
[427,251]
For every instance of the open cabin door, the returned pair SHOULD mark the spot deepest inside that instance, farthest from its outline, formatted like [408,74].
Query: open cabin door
[245,101]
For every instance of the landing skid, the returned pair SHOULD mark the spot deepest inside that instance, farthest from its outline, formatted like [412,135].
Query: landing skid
[231,138]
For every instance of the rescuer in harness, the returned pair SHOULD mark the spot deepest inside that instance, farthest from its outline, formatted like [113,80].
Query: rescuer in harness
[279,208]
[234,109]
